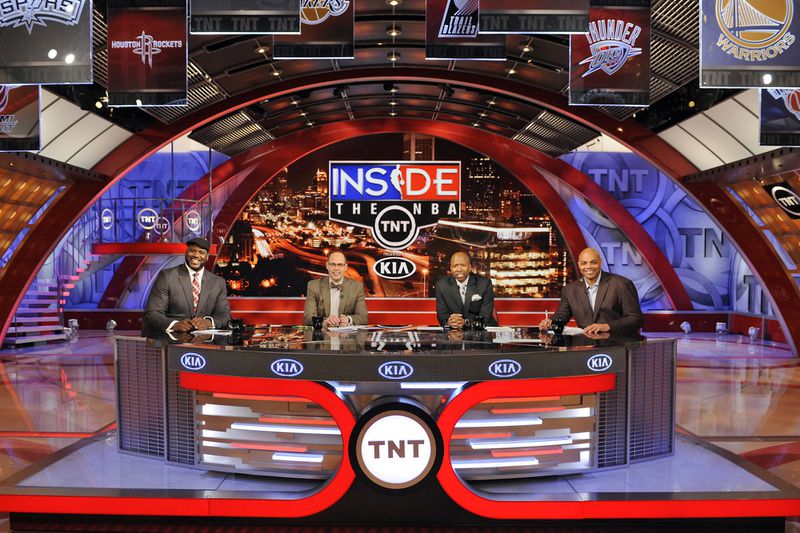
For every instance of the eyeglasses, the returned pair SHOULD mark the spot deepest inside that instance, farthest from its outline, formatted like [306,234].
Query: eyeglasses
[337,265]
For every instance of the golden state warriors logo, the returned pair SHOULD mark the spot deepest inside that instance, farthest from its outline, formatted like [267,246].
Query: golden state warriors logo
[318,11]
[755,30]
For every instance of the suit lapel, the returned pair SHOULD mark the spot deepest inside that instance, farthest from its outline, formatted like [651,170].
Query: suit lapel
[344,295]
[602,288]
[472,283]
[205,287]
[325,289]
[455,295]
[186,284]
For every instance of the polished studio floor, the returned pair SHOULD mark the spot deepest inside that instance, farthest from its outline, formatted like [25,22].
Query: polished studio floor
[741,396]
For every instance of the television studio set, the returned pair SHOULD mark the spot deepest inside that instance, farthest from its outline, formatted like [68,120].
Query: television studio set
[356,266]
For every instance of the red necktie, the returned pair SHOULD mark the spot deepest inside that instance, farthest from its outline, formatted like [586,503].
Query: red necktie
[195,289]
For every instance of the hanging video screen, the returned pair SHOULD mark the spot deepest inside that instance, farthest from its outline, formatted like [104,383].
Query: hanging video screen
[528,16]
[749,43]
[610,64]
[45,42]
[326,32]
[780,117]
[19,118]
[452,32]
[147,50]
[236,17]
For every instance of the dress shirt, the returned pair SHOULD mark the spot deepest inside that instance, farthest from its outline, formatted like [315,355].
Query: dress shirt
[462,289]
[591,290]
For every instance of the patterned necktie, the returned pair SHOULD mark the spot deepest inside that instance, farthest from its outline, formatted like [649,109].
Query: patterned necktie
[336,287]
[195,289]
[463,290]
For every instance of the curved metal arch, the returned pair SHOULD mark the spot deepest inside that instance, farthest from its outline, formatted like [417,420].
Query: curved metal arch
[525,163]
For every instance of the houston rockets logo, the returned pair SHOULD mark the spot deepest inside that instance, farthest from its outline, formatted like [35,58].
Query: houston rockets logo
[146,46]
[611,45]
[318,11]
[7,122]
[790,97]
[394,199]
[754,30]
[460,19]
[38,12]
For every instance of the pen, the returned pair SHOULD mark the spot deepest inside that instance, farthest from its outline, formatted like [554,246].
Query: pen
[546,314]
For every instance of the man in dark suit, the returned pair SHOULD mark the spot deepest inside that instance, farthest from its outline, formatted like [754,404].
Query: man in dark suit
[187,297]
[337,298]
[463,295]
[600,301]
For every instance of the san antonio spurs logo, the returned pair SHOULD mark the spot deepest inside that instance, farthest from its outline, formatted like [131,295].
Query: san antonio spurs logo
[318,11]
[39,12]
[611,44]
[754,30]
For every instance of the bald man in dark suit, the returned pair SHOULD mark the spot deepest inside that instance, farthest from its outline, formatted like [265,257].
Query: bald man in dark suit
[616,303]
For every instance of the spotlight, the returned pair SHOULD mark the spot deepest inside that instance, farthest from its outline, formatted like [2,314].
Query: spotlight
[476,124]
[52,53]
[393,31]
[261,49]
[390,88]
[70,59]
[393,56]
[767,79]
[691,104]
[526,47]
[512,71]
[98,104]
[392,113]
[392,103]
[138,102]
[394,3]
[276,72]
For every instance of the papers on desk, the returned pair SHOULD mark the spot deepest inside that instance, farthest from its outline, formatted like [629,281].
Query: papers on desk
[430,328]
[498,328]
[343,329]
[218,332]
[571,330]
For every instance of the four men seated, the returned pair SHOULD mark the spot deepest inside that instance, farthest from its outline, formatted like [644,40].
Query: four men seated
[188,297]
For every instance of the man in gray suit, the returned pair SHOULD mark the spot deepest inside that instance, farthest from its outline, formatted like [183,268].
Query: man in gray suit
[463,295]
[600,301]
[187,297]
[337,298]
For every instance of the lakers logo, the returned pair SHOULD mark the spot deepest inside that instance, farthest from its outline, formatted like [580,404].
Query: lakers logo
[318,11]
[754,30]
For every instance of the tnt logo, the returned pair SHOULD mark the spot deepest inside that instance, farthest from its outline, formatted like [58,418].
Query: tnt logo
[192,221]
[193,361]
[785,197]
[286,368]
[599,362]
[148,218]
[396,449]
[394,199]
[107,218]
[162,226]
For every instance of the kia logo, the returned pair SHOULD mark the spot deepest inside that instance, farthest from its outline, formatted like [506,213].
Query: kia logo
[193,361]
[394,267]
[148,218]
[599,362]
[504,368]
[395,370]
[286,368]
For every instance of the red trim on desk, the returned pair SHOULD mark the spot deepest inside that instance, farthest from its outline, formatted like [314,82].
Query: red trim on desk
[331,491]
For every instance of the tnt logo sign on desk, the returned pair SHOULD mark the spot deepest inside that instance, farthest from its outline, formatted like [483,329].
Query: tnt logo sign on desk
[394,199]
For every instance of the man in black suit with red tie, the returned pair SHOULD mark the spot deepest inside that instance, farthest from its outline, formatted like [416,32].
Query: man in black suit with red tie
[600,302]
[187,297]
[463,295]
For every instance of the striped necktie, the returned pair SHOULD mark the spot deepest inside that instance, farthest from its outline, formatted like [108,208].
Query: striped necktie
[195,289]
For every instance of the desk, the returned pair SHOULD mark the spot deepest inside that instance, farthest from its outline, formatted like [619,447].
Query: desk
[292,403]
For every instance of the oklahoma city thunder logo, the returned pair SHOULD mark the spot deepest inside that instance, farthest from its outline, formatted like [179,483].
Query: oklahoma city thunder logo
[611,45]
[755,30]
[318,11]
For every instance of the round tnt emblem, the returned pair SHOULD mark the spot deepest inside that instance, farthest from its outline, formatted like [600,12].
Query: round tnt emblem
[395,228]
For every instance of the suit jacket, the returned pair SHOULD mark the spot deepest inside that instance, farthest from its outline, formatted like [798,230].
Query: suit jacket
[616,304]
[171,299]
[479,299]
[351,301]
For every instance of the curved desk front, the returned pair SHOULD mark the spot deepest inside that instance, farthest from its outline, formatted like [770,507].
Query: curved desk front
[397,406]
